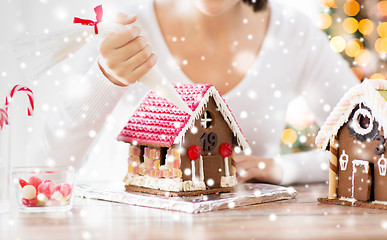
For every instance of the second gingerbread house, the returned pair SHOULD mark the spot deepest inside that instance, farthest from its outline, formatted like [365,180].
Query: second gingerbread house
[355,133]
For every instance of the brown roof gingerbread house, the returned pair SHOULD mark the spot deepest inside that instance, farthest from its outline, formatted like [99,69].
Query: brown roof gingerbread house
[355,133]
[178,153]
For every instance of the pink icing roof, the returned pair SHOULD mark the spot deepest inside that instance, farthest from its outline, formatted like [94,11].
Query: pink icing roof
[157,121]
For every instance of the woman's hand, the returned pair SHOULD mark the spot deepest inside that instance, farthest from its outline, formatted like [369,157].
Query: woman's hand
[125,56]
[253,168]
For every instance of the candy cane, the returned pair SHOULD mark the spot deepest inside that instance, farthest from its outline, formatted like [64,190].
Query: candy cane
[20,88]
[3,118]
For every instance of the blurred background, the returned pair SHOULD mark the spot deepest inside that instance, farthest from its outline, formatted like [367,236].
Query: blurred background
[355,28]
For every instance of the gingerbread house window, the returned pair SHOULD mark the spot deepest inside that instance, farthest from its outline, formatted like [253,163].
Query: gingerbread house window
[207,120]
[363,121]
[363,124]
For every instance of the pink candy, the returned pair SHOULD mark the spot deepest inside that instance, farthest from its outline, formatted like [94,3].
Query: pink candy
[65,189]
[44,190]
[47,188]
[35,181]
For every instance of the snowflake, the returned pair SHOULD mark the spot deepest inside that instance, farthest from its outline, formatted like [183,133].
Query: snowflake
[272,217]
[243,115]
[261,165]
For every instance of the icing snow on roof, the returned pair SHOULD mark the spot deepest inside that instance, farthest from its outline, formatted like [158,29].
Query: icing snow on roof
[158,122]
[368,93]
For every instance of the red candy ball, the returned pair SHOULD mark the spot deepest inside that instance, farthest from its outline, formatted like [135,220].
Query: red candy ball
[25,202]
[33,202]
[30,203]
[194,152]
[225,149]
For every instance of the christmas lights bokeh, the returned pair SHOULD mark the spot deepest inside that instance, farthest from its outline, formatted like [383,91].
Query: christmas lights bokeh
[357,29]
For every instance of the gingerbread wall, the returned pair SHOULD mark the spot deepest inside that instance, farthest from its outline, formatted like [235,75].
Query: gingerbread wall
[213,162]
[360,150]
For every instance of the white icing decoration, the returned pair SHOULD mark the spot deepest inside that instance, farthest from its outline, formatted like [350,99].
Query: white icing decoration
[343,161]
[205,119]
[382,162]
[193,171]
[356,124]
[358,163]
[201,169]
[226,168]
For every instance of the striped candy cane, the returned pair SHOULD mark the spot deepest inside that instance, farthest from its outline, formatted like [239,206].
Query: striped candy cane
[3,118]
[20,88]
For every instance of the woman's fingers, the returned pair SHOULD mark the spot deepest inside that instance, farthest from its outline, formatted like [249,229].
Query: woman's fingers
[134,47]
[125,55]
[125,19]
[145,67]
[120,39]
[139,58]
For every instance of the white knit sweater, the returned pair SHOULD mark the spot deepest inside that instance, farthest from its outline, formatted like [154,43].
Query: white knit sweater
[295,59]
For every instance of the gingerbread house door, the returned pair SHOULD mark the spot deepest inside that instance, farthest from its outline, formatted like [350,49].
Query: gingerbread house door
[361,180]
[213,170]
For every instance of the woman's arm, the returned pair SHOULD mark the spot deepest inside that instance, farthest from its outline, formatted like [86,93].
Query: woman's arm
[69,133]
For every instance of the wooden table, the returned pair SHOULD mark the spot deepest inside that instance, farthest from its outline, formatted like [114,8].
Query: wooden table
[300,218]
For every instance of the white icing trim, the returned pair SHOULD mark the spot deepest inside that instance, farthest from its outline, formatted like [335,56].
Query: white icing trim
[366,93]
[225,111]
[352,200]
[380,202]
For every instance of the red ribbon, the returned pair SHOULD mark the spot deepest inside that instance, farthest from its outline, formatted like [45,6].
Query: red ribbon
[98,11]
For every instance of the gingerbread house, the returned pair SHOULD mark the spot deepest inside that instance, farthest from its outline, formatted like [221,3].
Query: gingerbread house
[177,153]
[355,134]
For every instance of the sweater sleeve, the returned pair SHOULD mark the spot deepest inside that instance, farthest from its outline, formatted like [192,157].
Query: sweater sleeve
[304,167]
[69,133]
[325,78]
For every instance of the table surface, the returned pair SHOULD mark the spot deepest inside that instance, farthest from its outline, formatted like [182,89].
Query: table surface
[300,218]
